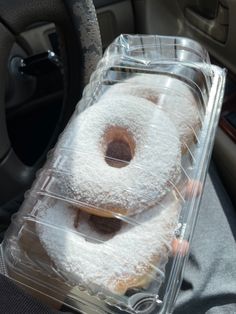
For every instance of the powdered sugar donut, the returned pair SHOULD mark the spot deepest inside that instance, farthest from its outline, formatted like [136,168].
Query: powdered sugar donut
[129,128]
[171,95]
[102,262]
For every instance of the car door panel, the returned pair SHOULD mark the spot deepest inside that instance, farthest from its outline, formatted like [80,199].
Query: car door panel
[178,17]
[212,23]
[114,18]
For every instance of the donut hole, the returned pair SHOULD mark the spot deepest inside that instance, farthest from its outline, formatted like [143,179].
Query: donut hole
[119,147]
[96,229]
[118,154]
[105,225]
[153,98]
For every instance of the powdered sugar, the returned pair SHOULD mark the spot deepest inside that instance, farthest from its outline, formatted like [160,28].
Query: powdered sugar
[145,180]
[170,94]
[88,257]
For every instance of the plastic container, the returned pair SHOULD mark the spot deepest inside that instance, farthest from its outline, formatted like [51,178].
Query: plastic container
[107,224]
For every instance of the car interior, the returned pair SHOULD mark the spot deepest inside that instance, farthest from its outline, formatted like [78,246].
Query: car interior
[40,86]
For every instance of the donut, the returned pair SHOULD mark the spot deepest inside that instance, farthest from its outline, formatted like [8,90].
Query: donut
[180,247]
[125,157]
[28,263]
[171,95]
[108,262]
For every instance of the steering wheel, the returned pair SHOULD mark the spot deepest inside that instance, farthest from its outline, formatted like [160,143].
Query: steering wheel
[80,44]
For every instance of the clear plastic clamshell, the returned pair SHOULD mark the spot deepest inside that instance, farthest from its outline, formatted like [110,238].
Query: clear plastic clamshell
[107,224]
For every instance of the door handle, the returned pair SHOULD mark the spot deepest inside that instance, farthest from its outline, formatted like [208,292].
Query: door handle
[216,28]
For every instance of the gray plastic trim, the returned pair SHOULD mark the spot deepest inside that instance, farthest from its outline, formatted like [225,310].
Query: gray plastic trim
[3,270]
[114,20]
[103,3]
[168,18]
[225,159]
[15,177]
